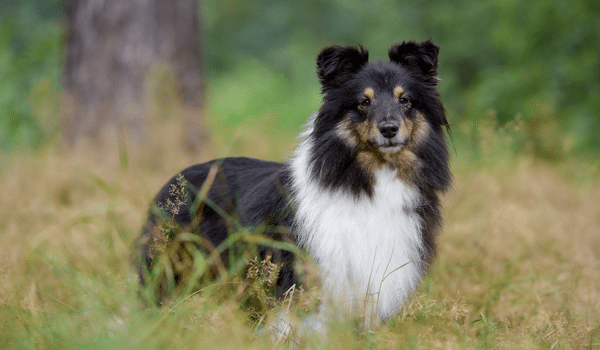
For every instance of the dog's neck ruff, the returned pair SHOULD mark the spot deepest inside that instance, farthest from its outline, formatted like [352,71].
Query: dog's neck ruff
[369,249]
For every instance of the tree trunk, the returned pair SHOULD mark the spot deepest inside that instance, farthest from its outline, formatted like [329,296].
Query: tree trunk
[121,56]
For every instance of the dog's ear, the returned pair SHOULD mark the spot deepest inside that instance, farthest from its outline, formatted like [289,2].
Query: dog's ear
[422,55]
[336,62]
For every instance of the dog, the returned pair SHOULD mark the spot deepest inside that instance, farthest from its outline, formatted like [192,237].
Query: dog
[360,195]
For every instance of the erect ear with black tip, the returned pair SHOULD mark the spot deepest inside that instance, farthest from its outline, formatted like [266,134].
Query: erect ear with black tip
[334,63]
[422,55]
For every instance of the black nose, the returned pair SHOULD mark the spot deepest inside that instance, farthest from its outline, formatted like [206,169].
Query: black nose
[388,130]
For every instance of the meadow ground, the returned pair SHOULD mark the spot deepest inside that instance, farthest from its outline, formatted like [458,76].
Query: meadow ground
[518,266]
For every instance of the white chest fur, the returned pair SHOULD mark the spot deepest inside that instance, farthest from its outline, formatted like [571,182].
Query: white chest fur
[368,249]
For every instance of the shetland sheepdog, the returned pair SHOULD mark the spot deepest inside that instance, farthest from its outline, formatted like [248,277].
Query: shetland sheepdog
[360,195]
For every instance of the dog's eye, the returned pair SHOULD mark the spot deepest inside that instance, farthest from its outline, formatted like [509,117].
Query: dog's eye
[365,103]
[403,100]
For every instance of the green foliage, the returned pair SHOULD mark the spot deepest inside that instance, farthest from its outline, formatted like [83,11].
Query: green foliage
[537,59]
[30,72]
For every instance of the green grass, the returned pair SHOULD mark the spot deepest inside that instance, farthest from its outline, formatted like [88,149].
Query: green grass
[518,266]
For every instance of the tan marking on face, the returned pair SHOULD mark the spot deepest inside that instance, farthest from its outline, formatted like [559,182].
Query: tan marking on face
[368,157]
[364,133]
[398,92]
[408,165]
[369,161]
[407,162]
[406,127]
[346,133]
[407,158]
[369,93]
[420,129]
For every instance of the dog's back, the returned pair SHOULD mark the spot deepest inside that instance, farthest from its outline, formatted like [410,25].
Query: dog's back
[212,200]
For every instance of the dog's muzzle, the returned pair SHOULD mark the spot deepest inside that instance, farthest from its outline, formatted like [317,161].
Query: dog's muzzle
[393,137]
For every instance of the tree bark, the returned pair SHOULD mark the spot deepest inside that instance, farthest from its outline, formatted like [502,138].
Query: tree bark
[120,54]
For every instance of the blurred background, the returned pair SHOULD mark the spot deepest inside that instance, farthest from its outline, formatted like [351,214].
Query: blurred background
[102,101]
[533,65]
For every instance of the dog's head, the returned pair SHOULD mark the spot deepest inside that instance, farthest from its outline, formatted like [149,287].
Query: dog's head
[385,111]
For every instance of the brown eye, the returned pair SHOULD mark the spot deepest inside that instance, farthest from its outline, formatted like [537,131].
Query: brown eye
[403,101]
[365,103]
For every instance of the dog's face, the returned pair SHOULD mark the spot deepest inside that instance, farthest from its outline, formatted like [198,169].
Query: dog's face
[383,119]
[385,111]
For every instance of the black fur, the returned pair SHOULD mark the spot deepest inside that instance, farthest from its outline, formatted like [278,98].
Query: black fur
[229,205]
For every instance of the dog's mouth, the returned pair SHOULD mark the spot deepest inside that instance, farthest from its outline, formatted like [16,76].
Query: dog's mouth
[386,146]
[391,147]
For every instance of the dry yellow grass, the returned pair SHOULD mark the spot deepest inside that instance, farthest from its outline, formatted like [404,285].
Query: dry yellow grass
[519,262]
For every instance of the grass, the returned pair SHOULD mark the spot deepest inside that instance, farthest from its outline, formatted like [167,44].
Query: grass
[518,267]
